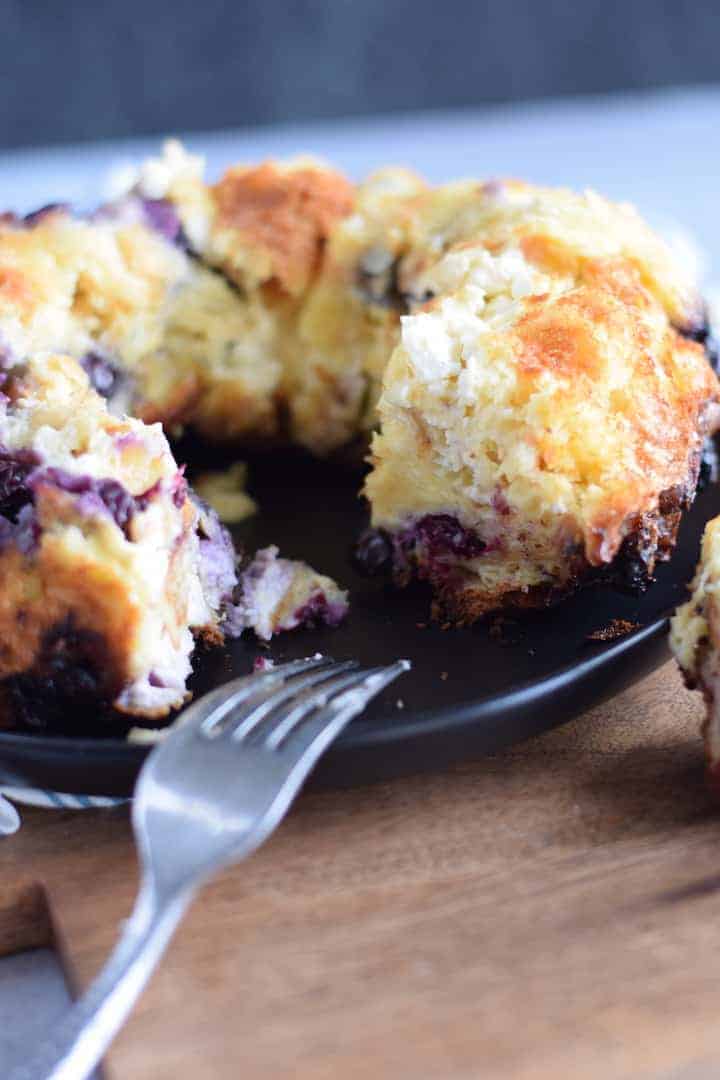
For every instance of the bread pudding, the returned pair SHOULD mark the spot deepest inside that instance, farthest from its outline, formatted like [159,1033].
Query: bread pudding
[108,569]
[556,440]
[543,415]
[111,566]
[528,367]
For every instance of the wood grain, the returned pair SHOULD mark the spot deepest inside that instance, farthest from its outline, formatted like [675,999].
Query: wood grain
[552,911]
[24,918]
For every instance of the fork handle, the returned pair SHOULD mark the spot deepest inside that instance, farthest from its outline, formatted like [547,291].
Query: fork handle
[80,1040]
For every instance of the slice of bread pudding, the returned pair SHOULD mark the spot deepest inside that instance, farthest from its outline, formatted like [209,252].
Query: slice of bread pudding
[265,231]
[695,641]
[543,415]
[159,334]
[111,566]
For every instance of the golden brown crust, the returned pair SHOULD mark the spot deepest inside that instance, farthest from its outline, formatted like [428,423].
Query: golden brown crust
[15,287]
[550,254]
[288,213]
[656,403]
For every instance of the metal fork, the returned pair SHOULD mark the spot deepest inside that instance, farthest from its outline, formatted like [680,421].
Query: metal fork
[207,796]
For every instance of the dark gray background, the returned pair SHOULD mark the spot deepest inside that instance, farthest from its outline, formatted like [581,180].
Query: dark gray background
[87,69]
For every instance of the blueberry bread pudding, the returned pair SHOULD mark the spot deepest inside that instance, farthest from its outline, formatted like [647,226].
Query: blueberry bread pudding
[543,415]
[111,567]
[527,365]
[532,361]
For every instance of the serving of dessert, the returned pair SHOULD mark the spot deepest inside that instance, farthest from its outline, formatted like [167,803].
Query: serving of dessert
[527,370]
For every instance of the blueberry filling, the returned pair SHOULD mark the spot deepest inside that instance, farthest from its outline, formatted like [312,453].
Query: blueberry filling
[373,552]
[18,524]
[94,495]
[440,535]
[217,567]
[158,214]
[434,543]
[104,376]
[162,216]
[319,611]
[21,474]
[432,546]
[15,468]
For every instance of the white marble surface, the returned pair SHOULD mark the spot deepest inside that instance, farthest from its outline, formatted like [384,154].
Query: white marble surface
[659,150]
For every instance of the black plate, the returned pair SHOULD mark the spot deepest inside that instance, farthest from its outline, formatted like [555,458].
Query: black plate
[470,691]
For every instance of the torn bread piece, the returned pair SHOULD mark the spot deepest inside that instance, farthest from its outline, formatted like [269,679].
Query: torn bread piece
[112,566]
[110,570]
[159,334]
[277,594]
[264,230]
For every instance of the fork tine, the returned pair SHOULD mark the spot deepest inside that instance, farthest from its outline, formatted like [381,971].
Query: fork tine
[249,721]
[345,696]
[211,710]
[277,730]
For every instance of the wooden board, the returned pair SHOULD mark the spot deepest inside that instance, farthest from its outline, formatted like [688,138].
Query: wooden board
[553,911]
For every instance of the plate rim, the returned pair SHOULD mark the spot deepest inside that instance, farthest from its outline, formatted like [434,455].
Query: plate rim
[416,726]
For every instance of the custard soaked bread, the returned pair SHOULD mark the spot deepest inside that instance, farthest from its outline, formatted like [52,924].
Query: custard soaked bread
[528,364]
[111,567]
[543,416]
[157,332]
[107,567]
